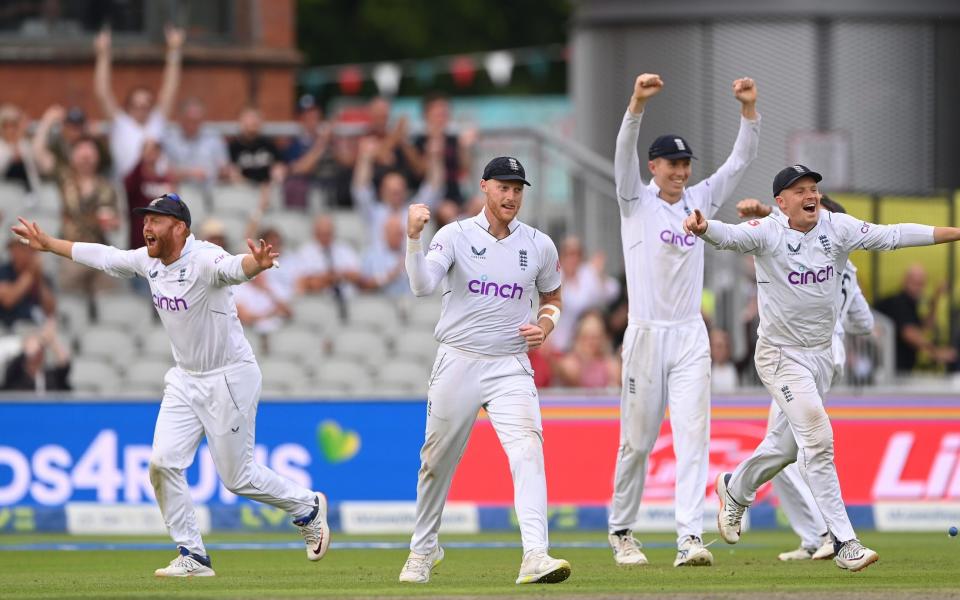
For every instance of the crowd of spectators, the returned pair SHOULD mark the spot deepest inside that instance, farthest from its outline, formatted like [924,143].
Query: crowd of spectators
[152,145]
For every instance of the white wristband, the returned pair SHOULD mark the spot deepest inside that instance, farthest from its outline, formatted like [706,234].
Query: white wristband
[553,314]
[414,245]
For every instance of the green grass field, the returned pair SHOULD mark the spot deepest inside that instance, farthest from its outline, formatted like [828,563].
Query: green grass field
[911,565]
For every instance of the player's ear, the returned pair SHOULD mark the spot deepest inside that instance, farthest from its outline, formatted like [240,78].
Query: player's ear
[483,185]
[651,165]
[780,202]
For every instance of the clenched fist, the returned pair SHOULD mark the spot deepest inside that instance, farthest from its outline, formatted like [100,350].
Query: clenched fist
[751,208]
[647,85]
[417,217]
[695,223]
[745,90]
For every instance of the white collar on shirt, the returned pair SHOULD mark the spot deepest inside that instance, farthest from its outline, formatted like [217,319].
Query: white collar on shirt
[481,220]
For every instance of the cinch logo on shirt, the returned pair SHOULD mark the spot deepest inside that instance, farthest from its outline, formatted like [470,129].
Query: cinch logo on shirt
[174,304]
[806,277]
[491,288]
[675,239]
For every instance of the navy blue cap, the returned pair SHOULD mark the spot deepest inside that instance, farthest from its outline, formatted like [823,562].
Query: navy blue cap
[505,168]
[670,147]
[76,116]
[167,204]
[306,102]
[787,176]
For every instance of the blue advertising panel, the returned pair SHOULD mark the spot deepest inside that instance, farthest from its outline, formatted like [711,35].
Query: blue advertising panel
[52,453]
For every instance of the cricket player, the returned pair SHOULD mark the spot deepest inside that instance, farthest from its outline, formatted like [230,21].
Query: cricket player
[666,351]
[492,267]
[800,256]
[855,318]
[214,388]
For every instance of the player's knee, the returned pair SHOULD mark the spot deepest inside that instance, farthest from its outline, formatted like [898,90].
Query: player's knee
[158,468]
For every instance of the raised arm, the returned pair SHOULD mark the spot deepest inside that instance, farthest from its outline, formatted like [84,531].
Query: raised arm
[746,238]
[361,187]
[626,163]
[171,71]
[434,185]
[425,274]
[41,152]
[725,180]
[101,75]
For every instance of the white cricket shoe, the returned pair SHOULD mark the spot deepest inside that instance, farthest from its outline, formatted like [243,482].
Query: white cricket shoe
[692,553]
[731,513]
[854,556]
[826,550]
[800,553]
[187,564]
[626,549]
[418,566]
[540,567]
[315,531]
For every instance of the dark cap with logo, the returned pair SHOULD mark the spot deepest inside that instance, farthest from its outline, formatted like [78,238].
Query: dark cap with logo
[786,177]
[670,147]
[167,204]
[505,168]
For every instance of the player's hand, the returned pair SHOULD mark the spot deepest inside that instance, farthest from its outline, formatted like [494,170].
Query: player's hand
[54,114]
[175,37]
[533,334]
[101,42]
[262,253]
[745,90]
[751,208]
[417,217]
[695,223]
[31,234]
[646,86]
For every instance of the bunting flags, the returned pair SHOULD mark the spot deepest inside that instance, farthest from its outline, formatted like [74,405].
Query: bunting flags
[499,66]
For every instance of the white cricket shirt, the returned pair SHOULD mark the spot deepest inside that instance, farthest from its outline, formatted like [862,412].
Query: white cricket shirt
[799,275]
[192,297]
[491,285]
[664,265]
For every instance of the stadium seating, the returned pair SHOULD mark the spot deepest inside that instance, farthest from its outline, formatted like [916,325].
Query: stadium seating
[94,376]
[107,343]
[146,376]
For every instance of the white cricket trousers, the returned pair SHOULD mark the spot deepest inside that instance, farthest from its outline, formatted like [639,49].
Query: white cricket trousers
[462,383]
[797,378]
[221,405]
[664,364]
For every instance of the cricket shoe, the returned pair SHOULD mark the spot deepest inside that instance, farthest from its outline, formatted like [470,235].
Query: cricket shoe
[854,556]
[800,553]
[314,529]
[826,550]
[187,564]
[626,549]
[731,512]
[692,553]
[418,566]
[540,567]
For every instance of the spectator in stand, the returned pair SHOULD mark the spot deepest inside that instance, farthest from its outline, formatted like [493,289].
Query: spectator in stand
[25,293]
[394,152]
[585,286]
[384,270]
[60,130]
[914,333]
[28,371]
[16,155]
[143,115]
[309,157]
[148,180]
[325,264]
[591,363]
[394,193]
[214,231]
[723,373]
[196,152]
[89,206]
[457,154]
[254,158]
[263,303]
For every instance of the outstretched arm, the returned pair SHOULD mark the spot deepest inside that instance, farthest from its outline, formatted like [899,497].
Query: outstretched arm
[110,260]
[45,159]
[261,258]
[171,71]
[101,75]
[746,238]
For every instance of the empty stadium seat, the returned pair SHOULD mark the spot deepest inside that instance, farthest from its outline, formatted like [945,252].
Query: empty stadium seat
[238,199]
[108,343]
[378,313]
[126,311]
[403,376]
[155,343]
[359,345]
[348,374]
[91,375]
[294,226]
[317,311]
[416,344]
[282,376]
[424,312]
[351,228]
[297,343]
[73,312]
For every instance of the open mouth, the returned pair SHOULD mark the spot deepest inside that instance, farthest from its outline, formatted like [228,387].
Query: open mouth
[150,240]
[810,207]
